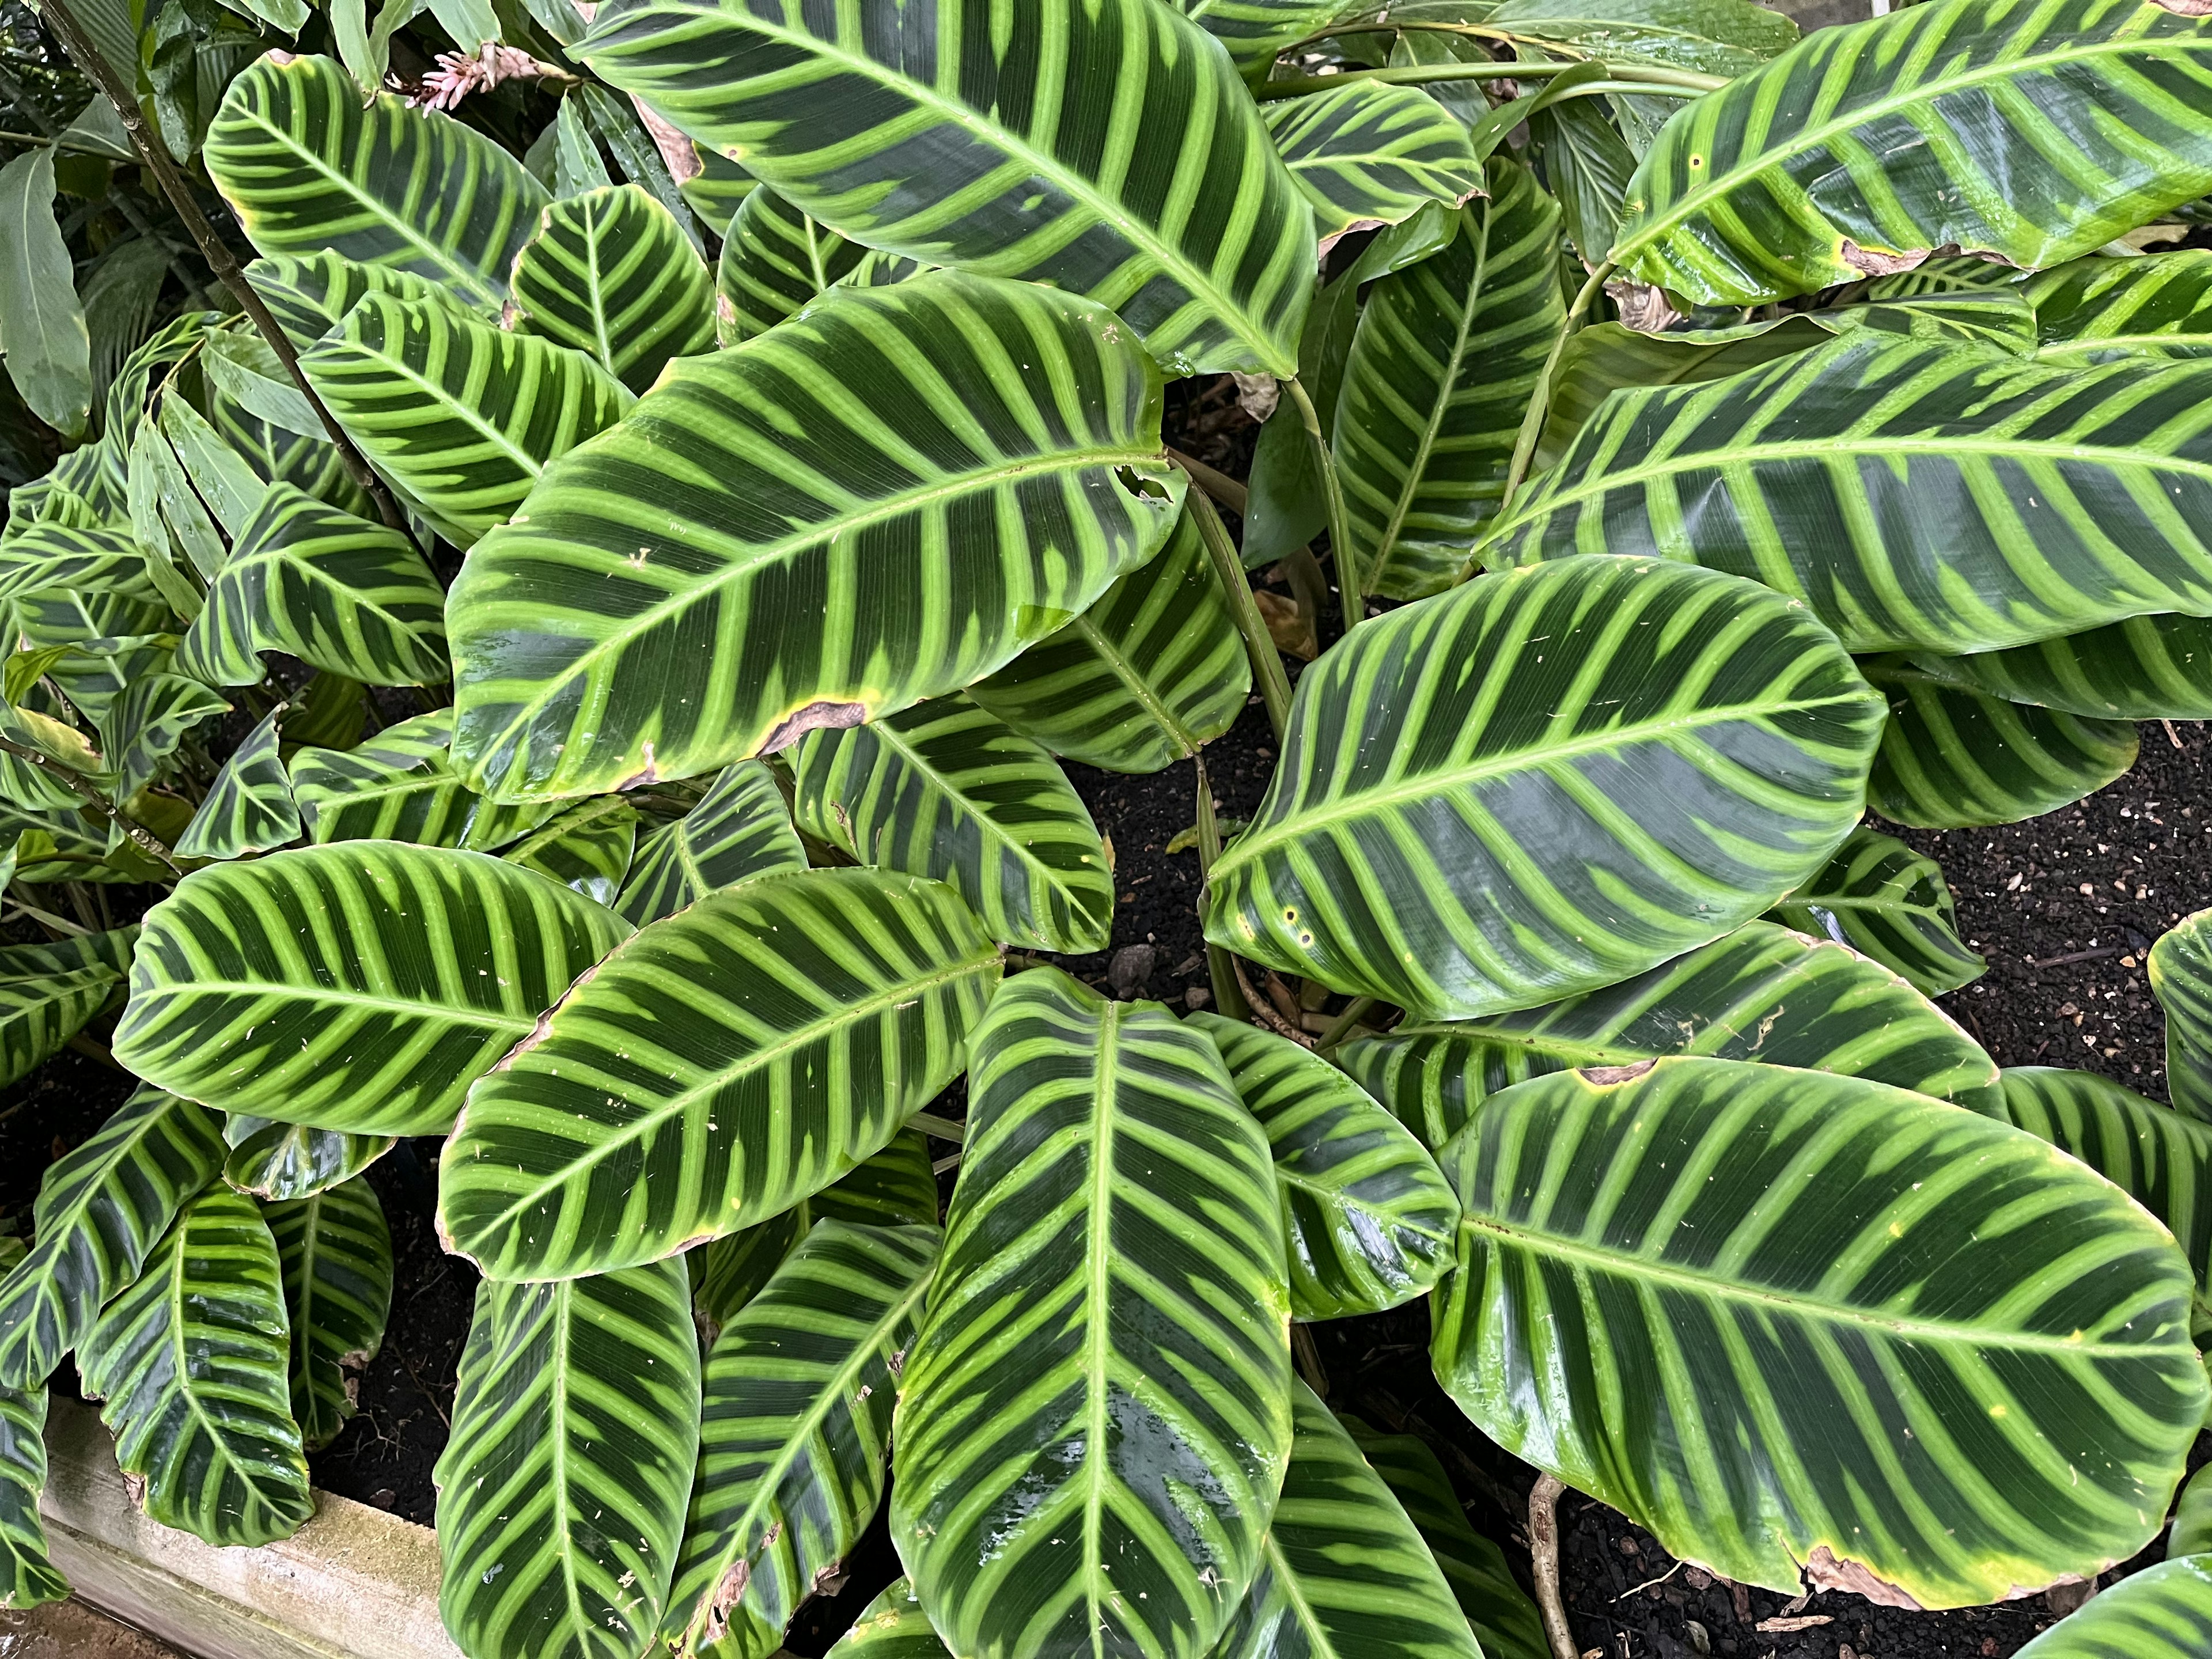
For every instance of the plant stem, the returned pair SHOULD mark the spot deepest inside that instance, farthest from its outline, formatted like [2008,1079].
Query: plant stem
[80,47]
[1414,75]
[1236,588]
[943,1128]
[1221,968]
[146,841]
[1219,485]
[1539,398]
[1332,495]
[1544,1549]
[1309,1359]
[1358,1010]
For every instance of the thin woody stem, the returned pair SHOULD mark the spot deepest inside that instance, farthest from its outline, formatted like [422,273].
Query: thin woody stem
[144,839]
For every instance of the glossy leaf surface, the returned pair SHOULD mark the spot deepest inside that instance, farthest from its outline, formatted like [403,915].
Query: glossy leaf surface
[2098,310]
[775,261]
[740,829]
[27,1577]
[2146,668]
[612,274]
[336,1256]
[249,807]
[2181,979]
[281,1162]
[1889,902]
[47,992]
[1952,757]
[1367,154]
[588,848]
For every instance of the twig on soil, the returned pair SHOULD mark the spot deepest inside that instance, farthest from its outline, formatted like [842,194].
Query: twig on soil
[1649,1583]
[2171,736]
[1544,1552]
[2078,956]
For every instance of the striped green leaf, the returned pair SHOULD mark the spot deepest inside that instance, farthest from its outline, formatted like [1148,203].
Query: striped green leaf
[192,1362]
[838,1003]
[1367,1219]
[100,1209]
[2163,1611]
[357,987]
[338,592]
[1889,902]
[2100,310]
[775,260]
[1366,154]
[336,1256]
[147,724]
[728,1272]
[561,1494]
[2181,979]
[892,1627]
[459,415]
[612,274]
[27,1577]
[945,790]
[1020,163]
[52,556]
[2159,1157]
[1812,1330]
[1342,1570]
[588,848]
[281,1162]
[2147,668]
[794,1427]
[309,294]
[1761,994]
[249,807]
[1442,365]
[399,787]
[1113,1278]
[1951,757]
[47,992]
[1916,496]
[1863,149]
[1719,37]
[1516,791]
[1503,1617]
[630,629]
[740,829]
[1256,31]
[1145,678]
[309,170]
[2192,1518]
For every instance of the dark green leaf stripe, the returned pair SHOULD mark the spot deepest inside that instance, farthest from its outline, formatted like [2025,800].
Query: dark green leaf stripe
[740,829]
[1367,1219]
[285,1161]
[795,1427]
[57,555]
[147,723]
[1366,154]
[310,293]
[1343,1571]
[1446,354]
[2147,668]
[336,1256]
[1889,902]
[892,1627]
[561,1494]
[894,1188]
[249,807]
[399,787]
[1256,30]
[728,1272]
[2192,1534]
[336,592]
[2102,310]
[1720,37]
[27,1577]
[308,170]
[1514,791]
[357,987]
[587,848]
[99,1210]
[2059,124]
[1917,496]
[612,274]
[190,1361]
[632,627]
[2164,1612]
[1811,1329]
[1113,1278]
[1144,678]
[974,136]
[461,416]
[2181,979]
[838,1001]
[2160,1158]
[1951,757]
[1761,994]
[945,790]
[47,992]
[775,261]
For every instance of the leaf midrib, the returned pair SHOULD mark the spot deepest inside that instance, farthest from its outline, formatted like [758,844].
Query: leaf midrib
[1059,881]
[1138,686]
[353,999]
[1097,1243]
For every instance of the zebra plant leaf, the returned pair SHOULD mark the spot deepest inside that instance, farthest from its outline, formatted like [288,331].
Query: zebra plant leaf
[1343,1571]
[460,415]
[561,1494]
[587,848]
[2181,979]
[309,294]
[358,986]
[249,808]
[2192,1519]
[1442,365]
[192,1362]
[1256,31]
[839,1002]
[1211,265]
[279,1162]
[100,1209]
[2163,1611]
[1842,1262]
[338,592]
[2099,310]
[1719,37]
[1476,857]
[1951,757]
[2147,668]
[1367,1219]
[336,1256]
[47,992]
[1367,154]
[309,171]
[1761,994]
[27,1577]
[1145,678]
[1886,901]
[795,1426]
[52,556]
[1918,496]
[1811,171]
[1144,1246]
[612,274]
[583,664]
[740,829]
[775,261]
[892,1627]
[945,790]
[399,787]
